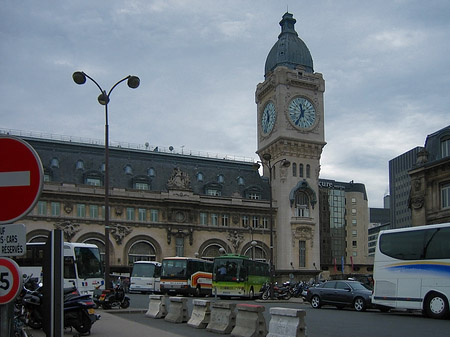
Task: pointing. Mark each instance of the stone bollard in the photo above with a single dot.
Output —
(178, 312)
(223, 317)
(250, 321)
(201, 314)
(156, 306)
(285, 322)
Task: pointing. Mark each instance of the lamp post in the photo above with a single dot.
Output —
(267, 163)
(133, 82)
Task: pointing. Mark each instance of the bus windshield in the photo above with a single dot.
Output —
(174, 268)
(144, 270)
(88, 262)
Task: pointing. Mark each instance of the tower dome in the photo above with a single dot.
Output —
(289, 50)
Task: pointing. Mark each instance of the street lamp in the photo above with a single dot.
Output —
(133, 82)
(267, 163)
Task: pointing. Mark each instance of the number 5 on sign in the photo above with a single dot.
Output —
(10, 280)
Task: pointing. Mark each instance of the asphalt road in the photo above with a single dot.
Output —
(325, 322)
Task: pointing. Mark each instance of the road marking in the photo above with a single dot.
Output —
(17, 178)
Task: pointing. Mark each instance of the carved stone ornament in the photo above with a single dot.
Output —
(179, 180)
(302, 233)
(68, 228)
(180, 233)
(119, 232)
(68, 207)
(417, 202)
(235, 238)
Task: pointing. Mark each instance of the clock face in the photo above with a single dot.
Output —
(268, 118)
(302, 113)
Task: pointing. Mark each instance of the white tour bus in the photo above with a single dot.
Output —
(145, 277)
(82, 265)
(412, 269)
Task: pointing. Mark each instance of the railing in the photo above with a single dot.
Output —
(124, 145)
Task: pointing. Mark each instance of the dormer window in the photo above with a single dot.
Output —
(54, 163)
(240, 181)
(79, 165)
(151, 172)
(128, 169)
(220, 179)
(200, 176)
(445, 147)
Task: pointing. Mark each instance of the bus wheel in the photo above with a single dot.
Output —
(436, 306)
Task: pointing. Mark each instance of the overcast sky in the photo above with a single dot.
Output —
(386, 66)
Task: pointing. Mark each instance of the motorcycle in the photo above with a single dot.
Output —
(78, 310)
(279, 293)
(113, 298)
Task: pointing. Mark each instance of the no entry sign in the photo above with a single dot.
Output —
(21, 178)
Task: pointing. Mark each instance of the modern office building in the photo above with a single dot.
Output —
(379, 219)
(429, 197)
(399, 187)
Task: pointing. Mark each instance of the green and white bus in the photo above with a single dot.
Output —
(239, 276)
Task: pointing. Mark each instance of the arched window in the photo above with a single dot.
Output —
(220, 179)
(256, 253)
(240, 181)
(54, 163)
(141, 251)
(79, 165)
(301, 170)
(294, 169)
(211, 251)
(128, 169)
(301, 204)
(200, 176)
(308, 171)
(151, 172)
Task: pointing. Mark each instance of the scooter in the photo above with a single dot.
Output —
(279, 293)
(78, 310)
(113, 298)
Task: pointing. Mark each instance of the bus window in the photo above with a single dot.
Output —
(69, 267)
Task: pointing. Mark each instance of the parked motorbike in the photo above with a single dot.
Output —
(78, 310)
(113, 298)
(279, 292)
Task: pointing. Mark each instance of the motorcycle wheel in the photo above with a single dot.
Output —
(125, 303)
(265, 295)
(106, 306)
(34, 324)
(85, 325)
(288, 295)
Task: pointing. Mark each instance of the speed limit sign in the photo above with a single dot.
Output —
(10, 280)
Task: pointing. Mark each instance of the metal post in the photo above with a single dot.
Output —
(106, 183)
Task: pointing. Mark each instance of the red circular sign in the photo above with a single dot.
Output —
(21, 178)
(10, 280)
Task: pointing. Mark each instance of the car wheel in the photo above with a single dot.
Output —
(315, 302)
(359, 304)
(436, 306)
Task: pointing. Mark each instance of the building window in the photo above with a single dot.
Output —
(179, 246)
(354, 233)
(56, 208)
(203, 218)
(81, 210)
(308, 171)
(93, 181)
(354, 243)
(255, 221)
(213, 192)
(353, 211)
(225, 220)
(353, 201)
(42, 208)
(141, 186)
(302, 254)
(130, 213)
(141, 251)
(245, 221)
(254, 196)
(445, 148)
(302, 205)
(355, 254)
(154, 215)
(294, 169)
(445, 196)
(265, 222)
(301, 170)
(240, 181)
(79, 165)
(199, 176)
(54, 163)
(220, 179)
(128, 169)
(47, 177)
(354, 223)
(142, 214)
(214, 219)
(93, 211)
(151, 172)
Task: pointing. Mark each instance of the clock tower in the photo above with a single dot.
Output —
(290, 112)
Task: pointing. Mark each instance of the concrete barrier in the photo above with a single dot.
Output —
(178, 312)
(250, 321)
(285, 322)
(201, 314)
(223, 318)
(156, 306)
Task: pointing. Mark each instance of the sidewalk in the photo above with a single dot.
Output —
(111, 325)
